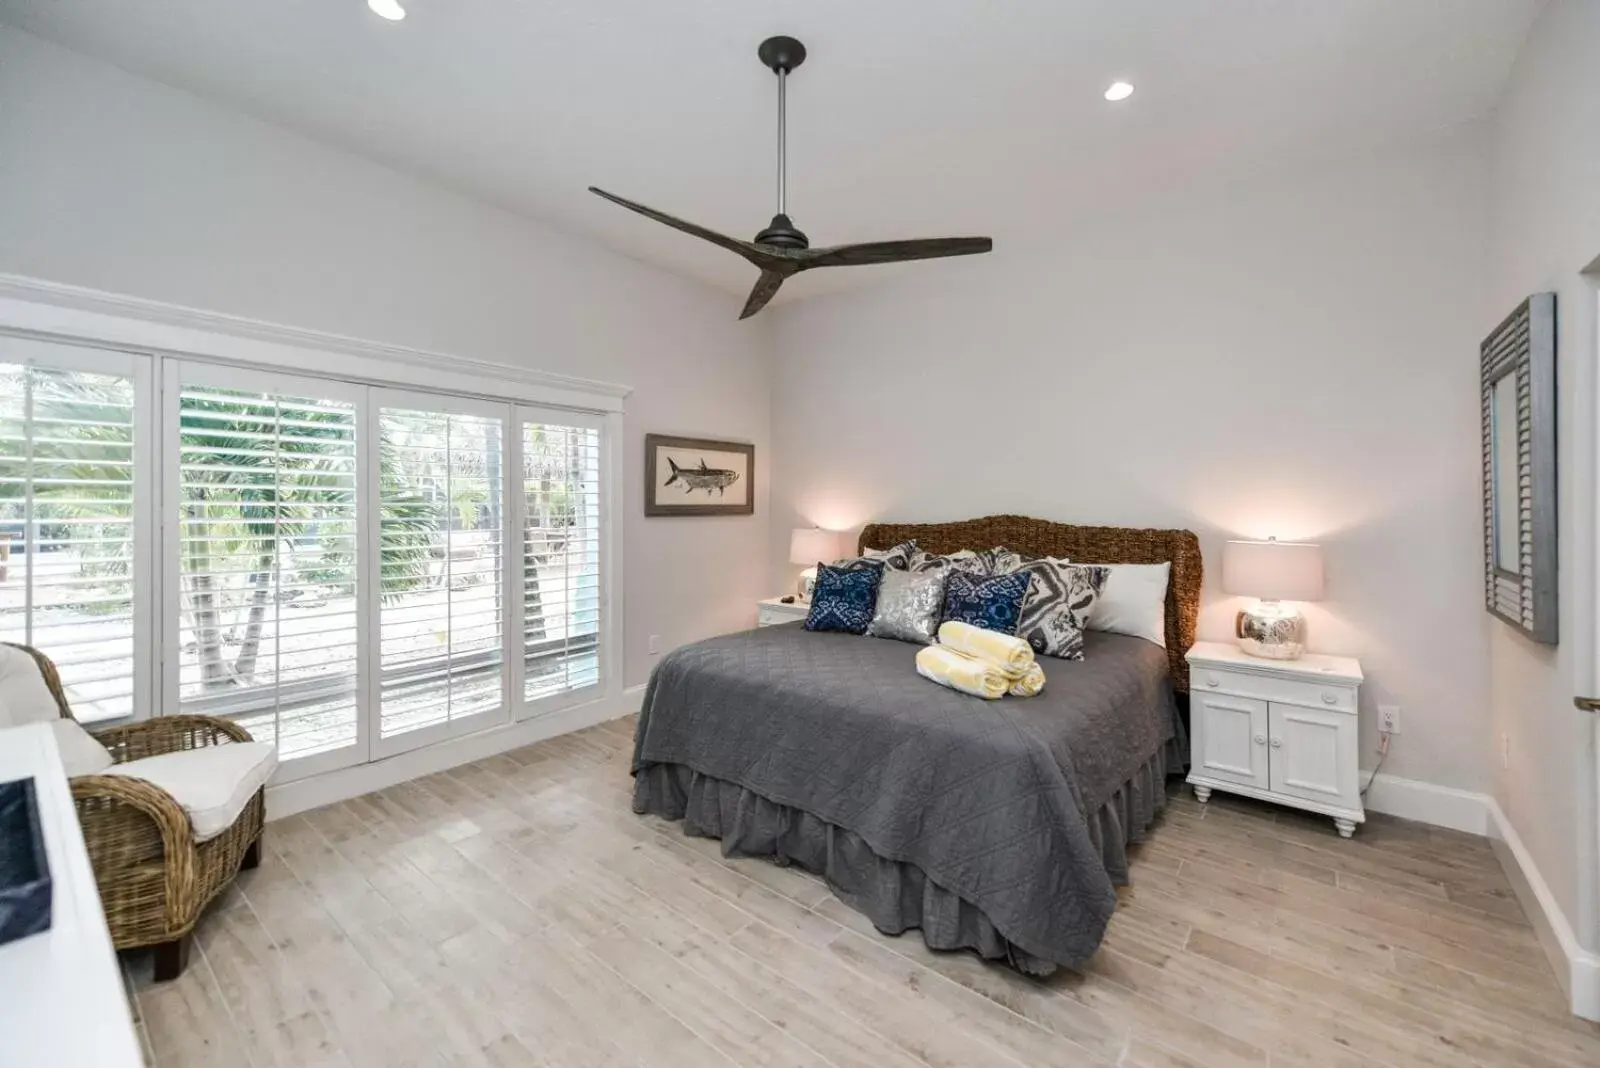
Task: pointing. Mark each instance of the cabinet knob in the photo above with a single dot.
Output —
(1277, 743)
(1212, 680)
(1261, 739)
(1329, 697)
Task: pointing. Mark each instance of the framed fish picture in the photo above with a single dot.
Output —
(694, 476)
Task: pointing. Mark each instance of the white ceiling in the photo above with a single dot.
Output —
(911, 118)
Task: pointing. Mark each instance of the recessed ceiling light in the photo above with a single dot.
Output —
(388, 9)
(1117, 91)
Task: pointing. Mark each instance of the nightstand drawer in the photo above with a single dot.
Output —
(768, 615)
(1333, 696)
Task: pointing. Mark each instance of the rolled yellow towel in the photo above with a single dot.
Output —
(1013, 655)
(1030, 684)
(969, 674)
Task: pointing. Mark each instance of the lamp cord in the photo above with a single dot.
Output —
(1383, 754)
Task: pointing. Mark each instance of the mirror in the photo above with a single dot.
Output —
(1504, 480)
(1517, 411)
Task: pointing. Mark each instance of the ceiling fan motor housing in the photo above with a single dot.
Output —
(782, 233)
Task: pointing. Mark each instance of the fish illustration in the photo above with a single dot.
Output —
(702, 477)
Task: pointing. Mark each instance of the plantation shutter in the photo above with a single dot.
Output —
(267, 628)
(68, 487)
(561, 554)
(441, 533)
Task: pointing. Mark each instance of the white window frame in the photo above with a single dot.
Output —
(69, 354)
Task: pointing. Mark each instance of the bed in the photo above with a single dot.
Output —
(999, 827)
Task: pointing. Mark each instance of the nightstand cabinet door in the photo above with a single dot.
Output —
(1314, 754)
(1230, 738)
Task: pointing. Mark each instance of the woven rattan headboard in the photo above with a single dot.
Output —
(1090, 545)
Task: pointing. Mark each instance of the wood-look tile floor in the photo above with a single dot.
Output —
(515, 912)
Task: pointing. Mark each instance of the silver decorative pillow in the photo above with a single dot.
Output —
(1057, 606)
(908, 606)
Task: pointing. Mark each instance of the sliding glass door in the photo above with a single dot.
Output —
(441, 538)
(346, 570)
(266, 599)
(561, 556)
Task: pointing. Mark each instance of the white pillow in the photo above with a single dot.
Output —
(1133, 602)
(24, 697)
(81, 754)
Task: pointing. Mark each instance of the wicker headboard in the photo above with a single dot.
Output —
(1090, 545)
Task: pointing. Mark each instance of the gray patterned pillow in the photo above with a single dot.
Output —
(965, 560)
(908, 606)
(1058, 603)
(895, 559)
(1002, 561)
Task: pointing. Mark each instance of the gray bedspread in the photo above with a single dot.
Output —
(988, 798)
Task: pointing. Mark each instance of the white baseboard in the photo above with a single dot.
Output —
(1463, 810)
(1576, 968)
(1425, 802)
(286, 799)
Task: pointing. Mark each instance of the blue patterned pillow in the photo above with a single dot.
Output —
(991, 603)
(844, 597)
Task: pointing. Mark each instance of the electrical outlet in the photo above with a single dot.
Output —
(655, 644)
(1505, 750)
(1389, 719)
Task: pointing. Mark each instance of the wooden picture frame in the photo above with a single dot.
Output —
(697, 476)
(1517, 380)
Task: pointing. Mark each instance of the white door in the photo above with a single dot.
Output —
(1314, 754)
(1231, 739)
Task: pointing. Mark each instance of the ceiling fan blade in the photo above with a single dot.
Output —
(732, 244)
(766, 288)
(925, 248)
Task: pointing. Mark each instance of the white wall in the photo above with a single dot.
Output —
(1296, 357)
(1545, 197)
(114, 182)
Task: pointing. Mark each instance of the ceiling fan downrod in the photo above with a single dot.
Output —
(782, 55)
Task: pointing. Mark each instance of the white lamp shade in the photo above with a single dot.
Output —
(1273, 570)
(811, 545)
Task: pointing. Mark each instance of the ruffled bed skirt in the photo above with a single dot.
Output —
(895, 895)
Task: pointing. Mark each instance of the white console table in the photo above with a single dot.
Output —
(64, 1001)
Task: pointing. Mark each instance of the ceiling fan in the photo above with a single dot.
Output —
(781, 250)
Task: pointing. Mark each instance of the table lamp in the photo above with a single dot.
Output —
(1276, 572)
(810, 546)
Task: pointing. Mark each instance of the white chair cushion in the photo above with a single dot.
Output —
(24, 698)
(212, 783)
(80, 753)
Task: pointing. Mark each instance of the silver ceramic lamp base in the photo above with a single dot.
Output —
(806, 584)
(1271, 630)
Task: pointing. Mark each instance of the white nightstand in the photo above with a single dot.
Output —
(772, 611)
(1278, 730)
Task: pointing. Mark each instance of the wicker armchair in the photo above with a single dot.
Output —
(154, 878)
